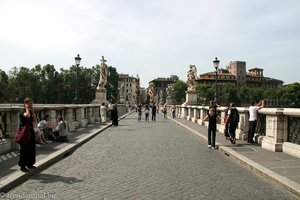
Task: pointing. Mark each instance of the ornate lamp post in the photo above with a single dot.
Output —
(216, 66)
(77, 62)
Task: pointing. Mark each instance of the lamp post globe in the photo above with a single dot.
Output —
(216, 66)
(77, 62)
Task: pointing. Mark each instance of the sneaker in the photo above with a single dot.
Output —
(208, 146)
(233, 141)
(213, 148)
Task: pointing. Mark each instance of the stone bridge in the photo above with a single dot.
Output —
(77, 116)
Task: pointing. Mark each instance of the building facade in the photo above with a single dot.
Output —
(159, 86)
(237, 74)
(129, 87)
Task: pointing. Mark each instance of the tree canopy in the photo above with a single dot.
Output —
(179, 88)
(46, 85)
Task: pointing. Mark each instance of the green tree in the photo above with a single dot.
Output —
(112, 90)
(231, 94)
(290, 93)
(4, 92)
(244, 96)
(179, 88)
(256, 94)
(205, 92)
(27, 83)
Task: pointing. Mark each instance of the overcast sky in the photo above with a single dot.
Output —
(153, 38)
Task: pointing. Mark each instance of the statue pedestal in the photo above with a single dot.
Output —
(169, 101)
(122, 99)
(161, 102)
(100, 96)
(191, 98)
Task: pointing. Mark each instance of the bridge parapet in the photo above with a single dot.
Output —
(77, 115)
(278, 129)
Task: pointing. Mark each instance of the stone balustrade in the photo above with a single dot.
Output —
(77, 115)
(277, 130)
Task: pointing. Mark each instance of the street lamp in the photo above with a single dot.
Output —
(216, 66)
(77, 62)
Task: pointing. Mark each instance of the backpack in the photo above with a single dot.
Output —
(234, 115)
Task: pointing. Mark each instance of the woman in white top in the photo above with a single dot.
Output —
(62, 128)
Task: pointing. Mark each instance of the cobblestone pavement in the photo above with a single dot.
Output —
(147, 160)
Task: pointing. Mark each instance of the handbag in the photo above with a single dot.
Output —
(23, 135)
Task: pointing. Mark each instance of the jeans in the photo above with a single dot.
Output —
(251, 130)
(212, 135)
(232, 129)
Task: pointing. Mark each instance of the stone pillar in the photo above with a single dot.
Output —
(191, 97)
(90, 115)
(100, 96)
(97, 113)
(178, 111)
(69, 119)
(196, 114)
(79, 116)
(12, 120)
(190, 113)
(122, 99)
(203, 113)
(83, 121)
(52, 114)
(242, 132)
(169, 101)
(275, 130)
(184, 112)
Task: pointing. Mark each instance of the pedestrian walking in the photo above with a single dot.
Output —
(253, 111)
(173, 111)
(147, 110)
(103, 110)
(212, 118)
(115, 115)
(165, 109)
(139, 111)
(153, 109)
(232, 121)
(27, 151)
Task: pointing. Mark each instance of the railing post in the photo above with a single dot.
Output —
(69, 118)
(242, 129)
(202, 115)
(97, 113)
(196, 114)
(184, 112)
(190, 113)
(275, 130)
(90, 115)
(178, 111)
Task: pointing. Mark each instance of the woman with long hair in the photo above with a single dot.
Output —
(27, 151)
(62, 128)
